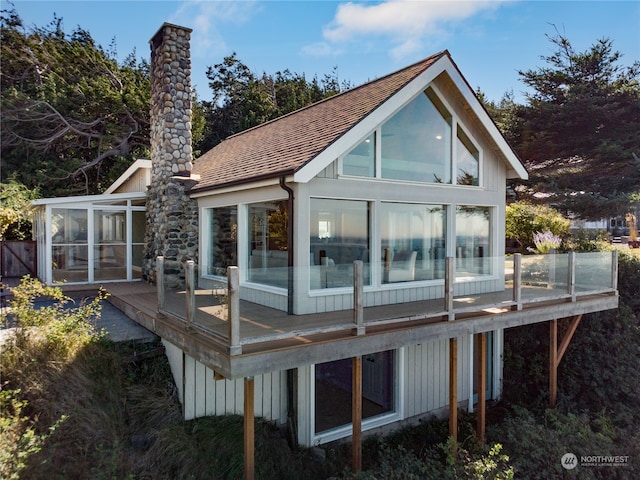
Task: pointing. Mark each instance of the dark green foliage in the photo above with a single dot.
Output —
(72, 117)
(578, 127)
(598, 411)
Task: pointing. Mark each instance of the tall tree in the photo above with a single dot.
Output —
(578, 135)
(72, 116)
(242, 99)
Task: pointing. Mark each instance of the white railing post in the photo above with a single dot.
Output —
(571, 279)
(358, 296)
(614, 269)
(517, 280)
(233, 289)
(449, 278)
(160, 282)
(190, 291)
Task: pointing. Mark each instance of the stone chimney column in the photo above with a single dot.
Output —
(172, 217)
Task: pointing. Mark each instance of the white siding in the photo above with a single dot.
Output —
(201, 394)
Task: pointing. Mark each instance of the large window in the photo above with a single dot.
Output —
(223, 248)
(473, 235)
(70, 248)
(416, 142)
(339, 236)
(413, 242)
(268, 243)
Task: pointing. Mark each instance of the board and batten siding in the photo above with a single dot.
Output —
(202, 395)
(423, 379)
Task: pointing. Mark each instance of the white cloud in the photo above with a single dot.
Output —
(205, 18)
(406, 23)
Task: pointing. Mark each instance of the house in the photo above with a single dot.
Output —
(359, 238)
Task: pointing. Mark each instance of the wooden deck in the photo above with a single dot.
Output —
(273, 340)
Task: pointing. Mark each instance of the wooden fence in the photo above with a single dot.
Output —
(18, 258)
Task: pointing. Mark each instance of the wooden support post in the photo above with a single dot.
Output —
(482, 385)
(233, 288)
(449, 278)
(356, 415)
(553, 362)
(358, 297)
(190, 291)
(249, 429)
(517, 281)
(160, 282)
(557, 352)
(453, 388)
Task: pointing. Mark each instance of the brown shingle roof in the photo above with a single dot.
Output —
(283, 146)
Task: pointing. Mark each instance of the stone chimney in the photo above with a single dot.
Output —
(172, 217)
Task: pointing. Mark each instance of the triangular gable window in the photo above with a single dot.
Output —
(416, 144)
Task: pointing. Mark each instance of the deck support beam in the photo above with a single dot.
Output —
(557, 352)
(482, 385)
(356, 415)
(249, 429)
(453, 388)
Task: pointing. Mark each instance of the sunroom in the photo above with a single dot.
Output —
(90, 239)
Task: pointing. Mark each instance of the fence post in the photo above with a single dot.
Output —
(449, 278)
(358, 296)
(571, 280)
(233, 282)
(160, 282)
(190, 292)
(517, 280)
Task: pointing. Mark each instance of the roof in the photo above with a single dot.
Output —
(284, 146)
(139, 164)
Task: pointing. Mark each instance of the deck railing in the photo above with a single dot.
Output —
(528, 279)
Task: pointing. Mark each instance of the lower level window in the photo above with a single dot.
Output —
(333, 388)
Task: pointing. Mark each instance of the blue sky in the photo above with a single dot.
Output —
(489, 40)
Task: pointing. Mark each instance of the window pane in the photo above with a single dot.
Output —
(416, 142)
(138, 227)
(467, 161)
(68, 225)
(110, 249)
(339, 236)
(473, 247)
(268, 243)
(333, 389)
(361, 160)
(223, 239)
(413, 242)
(70, 263)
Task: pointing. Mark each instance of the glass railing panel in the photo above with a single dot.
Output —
(544, 275)
(593, 271)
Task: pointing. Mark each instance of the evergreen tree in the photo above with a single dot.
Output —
(578, 135)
